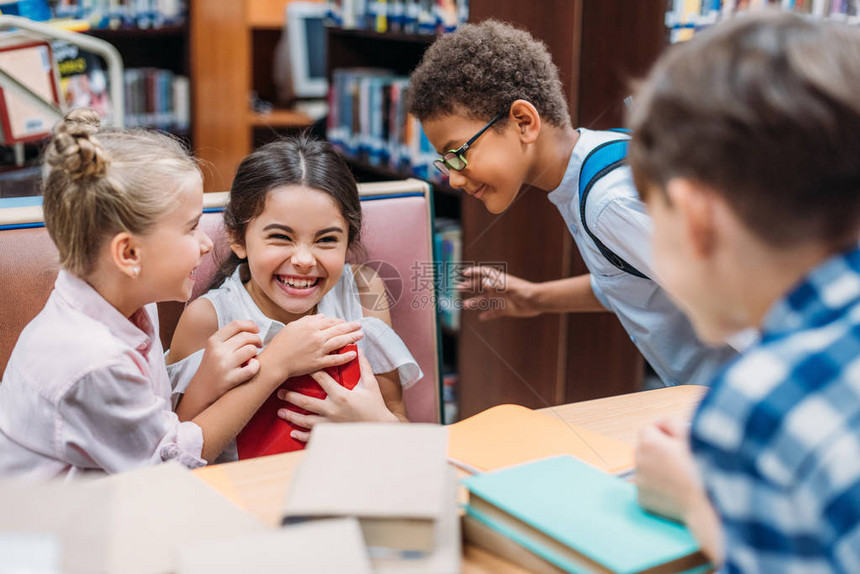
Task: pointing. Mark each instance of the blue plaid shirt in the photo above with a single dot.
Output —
(778, 437)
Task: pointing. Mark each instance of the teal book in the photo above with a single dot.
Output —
(580, 519)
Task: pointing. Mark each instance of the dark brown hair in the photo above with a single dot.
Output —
(300, 160)
(764, 110)
(97, 183)
(481, 69)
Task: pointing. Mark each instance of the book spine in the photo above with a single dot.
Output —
(182, 103)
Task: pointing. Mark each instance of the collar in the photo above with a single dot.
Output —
(136, 331)
(821, 297)
(568, 189)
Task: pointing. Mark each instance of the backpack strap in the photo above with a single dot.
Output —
(600, 161)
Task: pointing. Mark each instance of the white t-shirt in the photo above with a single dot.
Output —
(384, 349)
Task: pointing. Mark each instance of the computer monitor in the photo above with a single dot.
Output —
(306, 37)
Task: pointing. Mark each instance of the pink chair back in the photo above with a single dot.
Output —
(397, 234)
(28, 268)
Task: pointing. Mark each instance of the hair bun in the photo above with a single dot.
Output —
(75, 149)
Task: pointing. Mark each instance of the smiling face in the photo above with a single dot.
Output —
(496, 162)
(172, 249)
(296, 249)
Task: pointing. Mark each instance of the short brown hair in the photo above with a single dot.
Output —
(481, 69)
(764, 110)
(99, 183)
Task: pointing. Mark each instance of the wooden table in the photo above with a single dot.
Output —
(260, 485)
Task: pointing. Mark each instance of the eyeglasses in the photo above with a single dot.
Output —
(455, 158)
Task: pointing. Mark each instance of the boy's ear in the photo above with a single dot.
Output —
(125, 253)
(695, 205)
(526, 119)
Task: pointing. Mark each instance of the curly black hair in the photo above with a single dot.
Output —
(481, 69)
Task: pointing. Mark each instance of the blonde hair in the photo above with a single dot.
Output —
(97, 183)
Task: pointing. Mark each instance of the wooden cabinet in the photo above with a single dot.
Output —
(232, 54)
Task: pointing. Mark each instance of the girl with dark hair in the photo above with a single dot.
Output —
(292, 218)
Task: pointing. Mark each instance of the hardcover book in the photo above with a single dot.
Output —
(579, 519)
(393, 477)
(267, 433)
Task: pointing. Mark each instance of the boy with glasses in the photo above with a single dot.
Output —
(499, 119)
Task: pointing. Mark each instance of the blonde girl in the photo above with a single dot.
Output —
(86, 387)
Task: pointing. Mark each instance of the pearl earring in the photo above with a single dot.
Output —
(135, 272)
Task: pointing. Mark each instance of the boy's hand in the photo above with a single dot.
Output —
(666, 475)
(362, 404)
(229, 358)
(505, 295)
(305, 345)
(670, 485)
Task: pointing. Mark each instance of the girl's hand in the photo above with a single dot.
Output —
(305, 345)
(666, 475)
(229, 358)
(362, 404)
(516, 295)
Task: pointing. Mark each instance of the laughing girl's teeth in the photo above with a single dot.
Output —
(298, 283)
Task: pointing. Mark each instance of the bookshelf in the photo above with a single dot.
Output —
(550, 359)
(232, 50)
(685, 18)
(163, 53)
(163, 48)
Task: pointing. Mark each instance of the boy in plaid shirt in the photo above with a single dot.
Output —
(746, 149)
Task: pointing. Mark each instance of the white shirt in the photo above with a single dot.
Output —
(86, 389)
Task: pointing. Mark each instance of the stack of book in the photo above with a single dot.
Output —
(394, 480)
(563, 515)
(368, 121)
(407, 16)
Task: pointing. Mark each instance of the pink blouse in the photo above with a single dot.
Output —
(86, 389)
